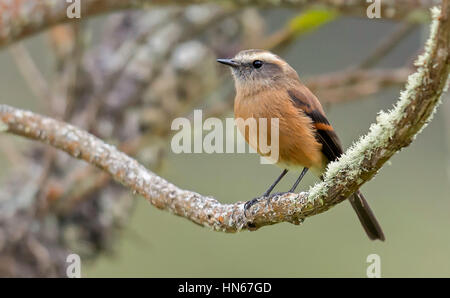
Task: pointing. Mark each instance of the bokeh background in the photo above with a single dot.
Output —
(410, 195)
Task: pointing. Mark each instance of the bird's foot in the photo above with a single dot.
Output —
(278, 194)
(252, 202)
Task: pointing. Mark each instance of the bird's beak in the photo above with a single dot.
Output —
(229, 62)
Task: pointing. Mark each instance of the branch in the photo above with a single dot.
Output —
(21, 18)
(334, 87)
(351, 84)
(393, 131)
(387, 45)
(30, 72)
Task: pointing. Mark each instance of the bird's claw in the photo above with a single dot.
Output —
(250, 203)
(278, 194)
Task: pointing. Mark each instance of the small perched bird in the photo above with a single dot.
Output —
(268, 87)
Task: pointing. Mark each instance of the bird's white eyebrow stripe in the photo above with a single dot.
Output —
(259, 55)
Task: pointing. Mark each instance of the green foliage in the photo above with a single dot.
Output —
(311, 20)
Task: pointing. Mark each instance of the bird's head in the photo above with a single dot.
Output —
(255, 69)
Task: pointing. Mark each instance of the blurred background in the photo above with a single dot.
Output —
(126, 76)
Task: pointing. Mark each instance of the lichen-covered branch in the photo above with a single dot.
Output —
(21, 18)
(393, 131)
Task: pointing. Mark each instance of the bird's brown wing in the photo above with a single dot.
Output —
(305, 101)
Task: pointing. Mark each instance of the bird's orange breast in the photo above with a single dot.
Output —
(298, 146)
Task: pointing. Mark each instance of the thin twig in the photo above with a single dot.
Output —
(68, 44)
(31, 73)
(351, 84)
(387, 45)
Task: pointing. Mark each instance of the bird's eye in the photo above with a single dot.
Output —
(257, 63)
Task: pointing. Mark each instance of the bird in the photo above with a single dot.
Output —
(267, 87)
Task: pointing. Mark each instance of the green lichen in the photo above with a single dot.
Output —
(380, 132)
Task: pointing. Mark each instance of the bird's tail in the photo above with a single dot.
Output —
(366, 217)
